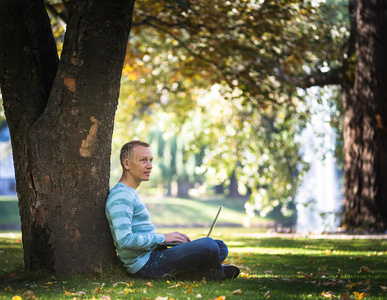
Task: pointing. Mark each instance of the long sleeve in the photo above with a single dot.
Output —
(133, 233)
(131, 223)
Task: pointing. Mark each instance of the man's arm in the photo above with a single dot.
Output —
(120, 216)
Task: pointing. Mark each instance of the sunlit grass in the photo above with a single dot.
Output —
(280, 267)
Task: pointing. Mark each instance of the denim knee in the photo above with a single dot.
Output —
(223, 250)
(211, 246)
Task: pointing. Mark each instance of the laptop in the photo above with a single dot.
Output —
(171, 244)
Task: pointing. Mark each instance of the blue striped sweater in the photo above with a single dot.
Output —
(133, 232)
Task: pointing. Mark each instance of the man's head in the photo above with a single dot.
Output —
(136, 161)
(127, 150)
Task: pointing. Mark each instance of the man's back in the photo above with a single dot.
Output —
(133, 233)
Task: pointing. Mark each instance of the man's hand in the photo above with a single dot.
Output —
(176, 237)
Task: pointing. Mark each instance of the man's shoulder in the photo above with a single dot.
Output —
(120, 191)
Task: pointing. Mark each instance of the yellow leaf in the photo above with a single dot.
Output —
(127, 291)
(98, 289)
(359, 296)
(221, 298)
(69, 294)
(190, 291)
(328, 252)
(16, 297)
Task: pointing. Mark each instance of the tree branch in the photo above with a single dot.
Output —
(332, 77)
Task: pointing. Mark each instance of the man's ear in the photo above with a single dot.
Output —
(125, 163)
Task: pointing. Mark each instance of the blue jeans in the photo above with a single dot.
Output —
(198, 255)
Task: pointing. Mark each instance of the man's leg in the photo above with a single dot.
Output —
(223, 250)
(196, 256)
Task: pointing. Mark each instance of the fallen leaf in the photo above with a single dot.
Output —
(238, 292)
(29, 295)
(199, 296)
(267, 294)
(16, 297)
(359, 296)
(329, 295)
(221, 298)
(107, 298)
(149, 284)
(161, 298)
(8, 289)
(80, 293)
(328, 252)
(384, 288)
(190, 291)
(98, 289)
(121, 282)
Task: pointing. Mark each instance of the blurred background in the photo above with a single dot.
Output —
(214, 91)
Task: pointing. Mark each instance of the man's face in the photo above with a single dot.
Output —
(140, 165)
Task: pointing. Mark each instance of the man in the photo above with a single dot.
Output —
(138, 243)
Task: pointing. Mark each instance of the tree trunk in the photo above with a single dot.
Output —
(62, 149)
(365, 121)
(233, 186)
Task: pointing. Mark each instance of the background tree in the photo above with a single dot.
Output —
(362, 77)
(61, 119)
(253, 52)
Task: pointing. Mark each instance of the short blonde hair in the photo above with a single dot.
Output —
(127, 150)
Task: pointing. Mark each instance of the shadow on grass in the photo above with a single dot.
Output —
(281, 268)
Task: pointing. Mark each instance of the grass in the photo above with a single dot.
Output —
(172, 211)
(9, 210)
(274, 267)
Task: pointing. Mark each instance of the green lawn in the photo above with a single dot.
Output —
(282, 267)
(171, 211)
(9, 210)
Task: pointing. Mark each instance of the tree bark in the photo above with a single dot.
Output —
(62, 142)
(365, 121)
